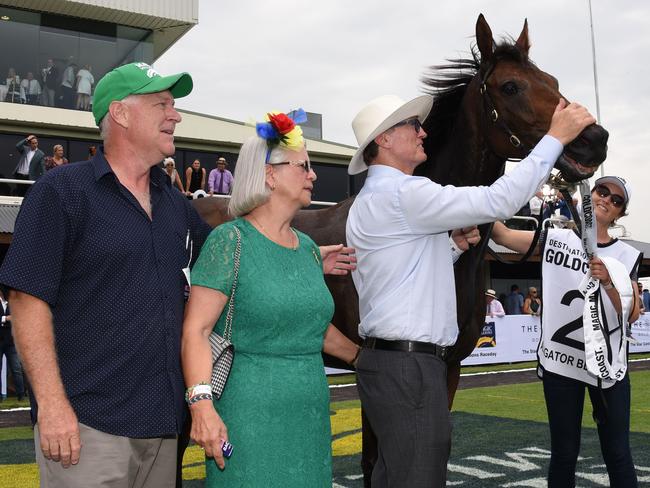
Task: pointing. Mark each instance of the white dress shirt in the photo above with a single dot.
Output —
(398, 225)
(494, 309)
(31, 87)
(25, 161)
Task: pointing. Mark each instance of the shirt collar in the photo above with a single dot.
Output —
(383, 170)
(101, 168)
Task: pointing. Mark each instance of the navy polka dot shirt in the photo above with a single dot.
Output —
(112, 278)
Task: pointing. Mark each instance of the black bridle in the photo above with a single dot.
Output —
(492, 114)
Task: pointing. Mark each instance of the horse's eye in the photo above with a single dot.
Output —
(509, 88)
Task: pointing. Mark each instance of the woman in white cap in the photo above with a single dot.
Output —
(572, 353)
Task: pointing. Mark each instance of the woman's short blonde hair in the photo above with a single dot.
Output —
(249, 189)
(168, 161)
(56, 146)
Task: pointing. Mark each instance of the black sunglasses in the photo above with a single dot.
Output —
(603, 192)
(304, 164)
(415, 123)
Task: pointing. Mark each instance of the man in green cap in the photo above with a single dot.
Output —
(97, 318)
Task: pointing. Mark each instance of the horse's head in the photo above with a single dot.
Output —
(518, 102)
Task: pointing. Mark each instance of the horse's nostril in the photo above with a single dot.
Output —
(592, 135)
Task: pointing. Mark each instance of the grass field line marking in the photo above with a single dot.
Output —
(474, 472)
(488, 372)
(17, 409)
(464, 374)
(518, 399)
(498, 372)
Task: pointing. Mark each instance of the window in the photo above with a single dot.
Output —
(72, 44)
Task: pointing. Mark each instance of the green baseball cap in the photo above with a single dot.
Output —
(136, 79)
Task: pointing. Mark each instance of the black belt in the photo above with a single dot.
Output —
(406, 346)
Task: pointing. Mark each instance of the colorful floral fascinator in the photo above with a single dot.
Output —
(282, 129)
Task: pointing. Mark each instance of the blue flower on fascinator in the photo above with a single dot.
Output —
(266, 131)
(282, 129)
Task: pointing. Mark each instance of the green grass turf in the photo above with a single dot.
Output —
(342, 379)
(526, 402)
(516, 414)
(12, 402)
(13, 433)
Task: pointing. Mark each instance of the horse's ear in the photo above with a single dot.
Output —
(523, 43)
(484, 39)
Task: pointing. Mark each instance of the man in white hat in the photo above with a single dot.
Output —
(399, 226)
(493, 307)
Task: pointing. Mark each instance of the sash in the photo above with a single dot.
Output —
(596, 337)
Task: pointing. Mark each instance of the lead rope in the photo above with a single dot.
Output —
(597, 348)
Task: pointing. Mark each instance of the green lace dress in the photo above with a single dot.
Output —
(276, 401)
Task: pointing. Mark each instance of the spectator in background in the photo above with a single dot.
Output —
(493, 306)
(532, 303)
(13, 87)
(85, 82)
(642, 308)
(559, 204)
(220, 179)
(170, 169)
(514, 301)
(57, 158)
(67, 85)
(536, 204)
(194, 178)
(646, 299)
(31, 164)
(49, 76)
(7, 348)
(31, 88)
(92, 150)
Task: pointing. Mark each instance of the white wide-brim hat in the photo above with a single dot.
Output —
(378, 116)
(490, 293)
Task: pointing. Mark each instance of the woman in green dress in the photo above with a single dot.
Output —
(275, 407)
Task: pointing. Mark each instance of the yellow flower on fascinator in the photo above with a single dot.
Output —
(294, 139)
(282, 129)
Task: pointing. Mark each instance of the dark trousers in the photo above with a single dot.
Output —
(33, 99)
(404, 396)
(20, 190)
(67, 97)
(13, 365)
(611, 411)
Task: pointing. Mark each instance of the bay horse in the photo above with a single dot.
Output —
(487, 109)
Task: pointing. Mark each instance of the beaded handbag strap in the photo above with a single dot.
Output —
(227, 331)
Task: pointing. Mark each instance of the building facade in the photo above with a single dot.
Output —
(50, 44)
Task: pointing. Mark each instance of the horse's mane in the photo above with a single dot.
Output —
(448, 83)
